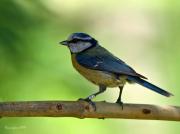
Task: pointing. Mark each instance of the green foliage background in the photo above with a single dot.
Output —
(34, 67)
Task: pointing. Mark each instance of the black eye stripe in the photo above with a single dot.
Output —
(74, 40)
(93, 41)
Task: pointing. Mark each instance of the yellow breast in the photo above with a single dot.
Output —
(98, 77)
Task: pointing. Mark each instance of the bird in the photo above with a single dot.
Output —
(102, 68)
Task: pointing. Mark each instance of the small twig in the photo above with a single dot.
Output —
(81, 109)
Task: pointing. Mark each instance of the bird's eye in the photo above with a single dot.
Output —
(74, 41)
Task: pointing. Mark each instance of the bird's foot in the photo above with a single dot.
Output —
(88, 100)
(120, 103)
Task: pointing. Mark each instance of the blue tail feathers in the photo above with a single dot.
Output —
(149, 86)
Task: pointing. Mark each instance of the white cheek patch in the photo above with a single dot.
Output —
(73, 48)
(79, 46)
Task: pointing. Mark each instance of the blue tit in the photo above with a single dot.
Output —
(102, 68)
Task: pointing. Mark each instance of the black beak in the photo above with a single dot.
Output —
(65, 42)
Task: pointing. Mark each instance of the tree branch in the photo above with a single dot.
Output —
(81, 109)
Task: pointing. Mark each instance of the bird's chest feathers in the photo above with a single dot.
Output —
(96, 76)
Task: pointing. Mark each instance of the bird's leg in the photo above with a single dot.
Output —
(90, 97)
(101, 90)
(119, 98)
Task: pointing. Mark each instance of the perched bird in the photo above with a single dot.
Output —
(102, 68)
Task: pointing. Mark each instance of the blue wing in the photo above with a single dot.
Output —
(99, 58)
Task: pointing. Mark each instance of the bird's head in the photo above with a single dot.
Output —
(78, 42)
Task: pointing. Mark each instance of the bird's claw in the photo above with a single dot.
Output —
(120, 103)
(89, 101)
